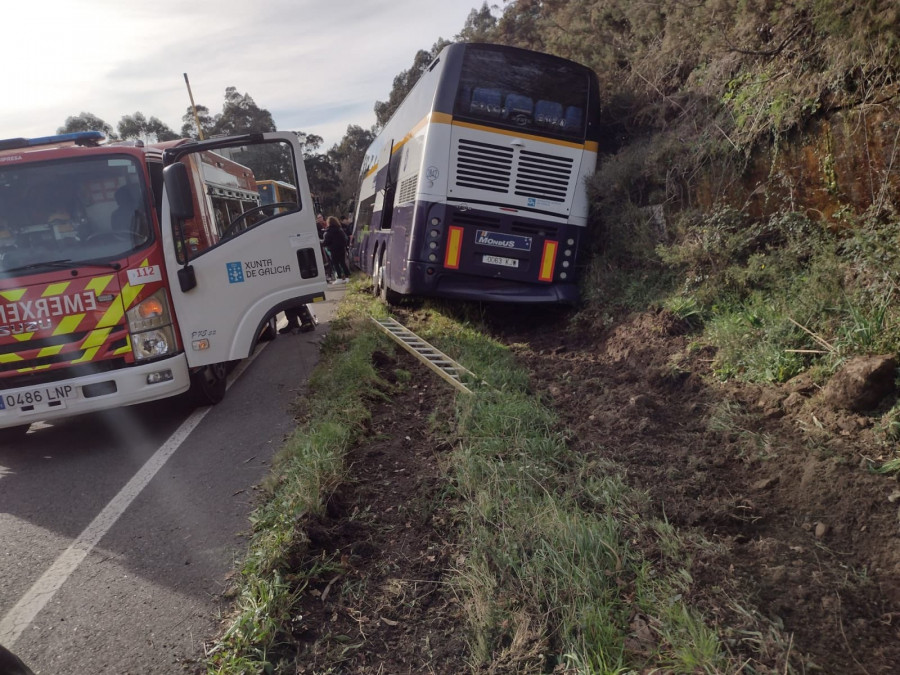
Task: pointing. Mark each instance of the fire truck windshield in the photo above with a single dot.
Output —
(90, 211)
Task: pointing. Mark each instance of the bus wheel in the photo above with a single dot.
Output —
(391, 297)
(377, 278)
(381, 288)
(208, 384)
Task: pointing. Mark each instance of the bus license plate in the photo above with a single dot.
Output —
(499, 260)
(42, 398)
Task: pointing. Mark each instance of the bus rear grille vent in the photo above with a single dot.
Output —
(407, 191)
(533, 230)
(483, 166)
(543, 176)
(473, 220)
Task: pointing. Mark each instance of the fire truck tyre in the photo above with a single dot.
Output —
(270, 332)
(208, 384)
(12, 434)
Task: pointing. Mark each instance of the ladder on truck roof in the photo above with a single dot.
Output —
(432, 357)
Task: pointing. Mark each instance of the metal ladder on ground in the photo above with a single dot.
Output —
(432, 357)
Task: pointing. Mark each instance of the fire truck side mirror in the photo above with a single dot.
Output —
(178, 189)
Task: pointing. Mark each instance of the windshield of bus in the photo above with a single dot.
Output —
(524, 91)
(69, 212)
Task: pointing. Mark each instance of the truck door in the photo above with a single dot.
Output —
(231, 261)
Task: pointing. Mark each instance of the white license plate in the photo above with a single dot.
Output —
(50, 397)
(499, 260)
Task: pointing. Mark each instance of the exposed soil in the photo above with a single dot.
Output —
(387, 608)
(804, 538)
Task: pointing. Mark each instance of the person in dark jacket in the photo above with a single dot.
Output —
(335, 241)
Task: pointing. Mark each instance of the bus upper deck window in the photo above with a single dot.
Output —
(518, 109)
(548, 113)
(574, 118)
(486, 102)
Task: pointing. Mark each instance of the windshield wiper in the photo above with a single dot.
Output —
(64, 263)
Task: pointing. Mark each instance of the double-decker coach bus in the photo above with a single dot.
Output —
(276, 192)
(475, 188)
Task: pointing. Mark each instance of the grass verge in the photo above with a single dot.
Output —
(305, 472)
(565, 568)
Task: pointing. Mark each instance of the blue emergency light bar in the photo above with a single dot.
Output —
(78, 138)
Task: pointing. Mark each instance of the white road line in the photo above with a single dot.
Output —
(20, 617)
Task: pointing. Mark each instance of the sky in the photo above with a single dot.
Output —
(316, 65)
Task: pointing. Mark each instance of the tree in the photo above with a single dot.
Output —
(241, 115)
(405, 81)
(86, 121)
(347, 157)
(139, 127)
(189, 126)
(480, 26)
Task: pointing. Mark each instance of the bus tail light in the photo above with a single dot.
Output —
(454, 247)
(548, 260)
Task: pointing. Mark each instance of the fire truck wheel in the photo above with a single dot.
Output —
(270, 331)
(208, 384)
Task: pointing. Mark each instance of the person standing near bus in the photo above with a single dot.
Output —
(335, 241)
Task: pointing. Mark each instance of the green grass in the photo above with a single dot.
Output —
(305, 472)
(562, 565)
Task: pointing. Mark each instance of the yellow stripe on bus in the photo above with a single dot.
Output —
(9, 358)
(519, 134)
(447, 118)
(548, 260)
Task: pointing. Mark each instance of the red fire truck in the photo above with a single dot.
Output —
(132, 272)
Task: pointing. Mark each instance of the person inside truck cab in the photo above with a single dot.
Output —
(128, 218)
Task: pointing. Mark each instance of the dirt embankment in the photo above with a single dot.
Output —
(804, 533)
(803, 538)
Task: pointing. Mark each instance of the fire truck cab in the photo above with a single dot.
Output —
(132, 272)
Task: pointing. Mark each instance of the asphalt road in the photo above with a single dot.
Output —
(118, 531)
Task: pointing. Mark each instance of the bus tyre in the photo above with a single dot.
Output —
(208, 384)
(381, 289)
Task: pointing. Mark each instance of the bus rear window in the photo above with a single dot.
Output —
(524, 91)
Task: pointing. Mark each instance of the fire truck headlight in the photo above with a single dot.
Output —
(152, 312)
(152, 343)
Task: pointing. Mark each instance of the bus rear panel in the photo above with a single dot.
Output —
(482, 196)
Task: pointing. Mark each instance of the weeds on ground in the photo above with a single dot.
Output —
(558, 571)
(305, 472)
(774, 296)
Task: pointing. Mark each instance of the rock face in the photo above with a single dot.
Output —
(861, 384)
